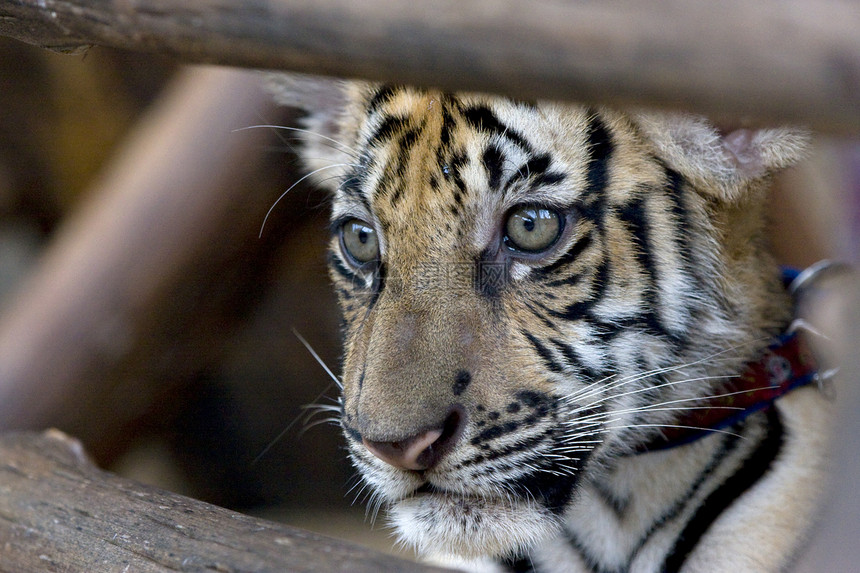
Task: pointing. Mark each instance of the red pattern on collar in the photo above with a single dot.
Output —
(784, 366)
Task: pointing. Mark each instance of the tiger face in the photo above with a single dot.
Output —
(530, 292)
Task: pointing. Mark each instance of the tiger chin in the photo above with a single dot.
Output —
(563, 333)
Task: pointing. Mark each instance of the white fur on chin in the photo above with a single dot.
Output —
(438, 525)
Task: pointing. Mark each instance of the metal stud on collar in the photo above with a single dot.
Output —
(802, 282)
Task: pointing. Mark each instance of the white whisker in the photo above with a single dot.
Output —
(309, 425)
(600, 386)
(291, 187)
(342, 146)
(643, 389)
(322, 408)
(660, 405)
(679, 426)
(313, 405)
(319, 360)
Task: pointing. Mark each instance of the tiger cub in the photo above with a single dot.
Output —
(542, 303)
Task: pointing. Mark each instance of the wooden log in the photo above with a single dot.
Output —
(58, 512)
(773, 60)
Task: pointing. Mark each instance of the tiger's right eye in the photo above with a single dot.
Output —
(532, 228)
(359, 241)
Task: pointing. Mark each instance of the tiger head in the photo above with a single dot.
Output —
(530, 290)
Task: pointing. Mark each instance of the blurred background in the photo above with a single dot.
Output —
(205, 394)
(179, 366)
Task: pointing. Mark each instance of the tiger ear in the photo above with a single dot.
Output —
(325, 134)
(722, 165)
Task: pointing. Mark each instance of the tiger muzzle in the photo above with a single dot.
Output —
(423, 450)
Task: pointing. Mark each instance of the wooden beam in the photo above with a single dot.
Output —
(58, 512)
(770, 60)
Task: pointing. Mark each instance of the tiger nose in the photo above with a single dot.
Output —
(422, 451)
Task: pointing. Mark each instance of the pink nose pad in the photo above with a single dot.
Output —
(412, 454)
(424, 450)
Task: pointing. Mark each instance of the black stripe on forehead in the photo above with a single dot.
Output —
(494, 162)
(447, 122)
(600, 148)
(380, 97)
(445, 131)
(352, 187)
(388, 128)
(481, 118)
(537, 171)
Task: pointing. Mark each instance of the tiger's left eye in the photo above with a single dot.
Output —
(532, 229)
(359, 241)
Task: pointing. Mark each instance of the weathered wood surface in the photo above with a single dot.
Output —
(60, 513)
(773, 60)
